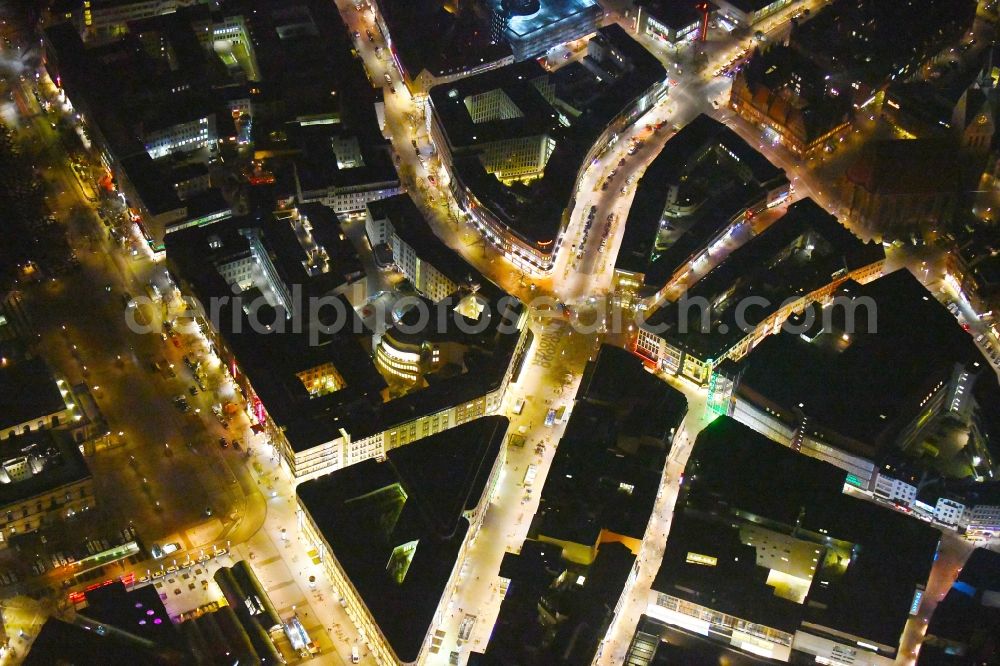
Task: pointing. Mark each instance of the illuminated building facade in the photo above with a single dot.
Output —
(749, 12)
(787, 96)
(523, 123)
(768, 556)
(389, 538)
(810, 388)
(672, 225)
(808, 255)
(532, 27)
(43, 480)
(669, 21)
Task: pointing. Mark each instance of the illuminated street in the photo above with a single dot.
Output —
(194, 470)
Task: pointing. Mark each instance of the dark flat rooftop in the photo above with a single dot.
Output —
(534, 212)
(868, 389)
(680, 154)
(540, 579)
(60, 642)
(61, 459)
(412, 227)
(861, 39)
(370, 510)
(733, 468)
(28, 391)
(797, 254)
(461, 39)
(675, 14)
(619, 432)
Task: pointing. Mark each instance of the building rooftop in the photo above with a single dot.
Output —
(28, 391)
(860, 40)
(38, 462)
(138, 611)
(462, 38)
(872, 559)
(840, 392)
(900, 167)
(612, 78)
(272, 360)
(692, 148)
(549, 15)
(607, 467)
(675, 15)
(804, 250)
(396, 527)
(60, 642)
(580, 598)
(412, 227)
(792, 91)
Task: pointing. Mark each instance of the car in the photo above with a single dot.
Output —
(208, 511)
(355, 655)
(371, 37)
(621, 162)
(357, 35)
(176, 340)
(519, 406)
(392, 89)
(550, 418)
(388, 79)
(193, 390)
(223, 443)
(170, 372)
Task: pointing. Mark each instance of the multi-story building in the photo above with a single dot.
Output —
(106, 20)
(433, 269)
(858, 44)
(671, 22)
(522, 123)
(393, 535)
(890, 195)
(673, 223)
(767, 555)
(973, 269)
(181, 137)
(314, 390)
(595, 511)
(191, 81)
(895, 490)
(798, 260)
(747, 13)
(32, 398)
(464, 44)
(949, 511)
(812, 388)
(43, 480)
(787, 96)
(983, 513)
(532, 27)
